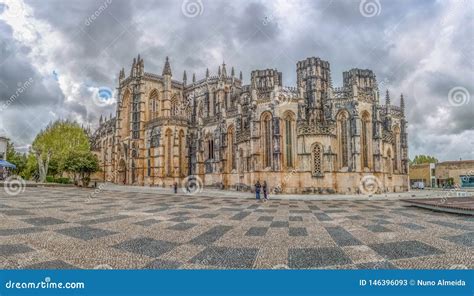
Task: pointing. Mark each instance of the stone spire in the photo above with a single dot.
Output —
(219, 71)
(100, 120)
(167, 68)
(224, 71)
(132, 70)
(194, 77)
(122, 74)
(232, 72)
(185, 77)
(402, 104)
(387, 99)
(207, 72)
(140, 66)
(240, 76)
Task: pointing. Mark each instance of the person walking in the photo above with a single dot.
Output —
(175, 187)
(265, 191)
(257, 190)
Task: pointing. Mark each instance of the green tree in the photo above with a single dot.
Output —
(16, 158)
(81, 164)
(419, 159)
(31, 170)
(54, 144)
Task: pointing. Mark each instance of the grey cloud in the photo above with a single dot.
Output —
(252, 35)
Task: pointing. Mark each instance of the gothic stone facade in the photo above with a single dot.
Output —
(312, 138)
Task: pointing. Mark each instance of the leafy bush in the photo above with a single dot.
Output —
(61, 180)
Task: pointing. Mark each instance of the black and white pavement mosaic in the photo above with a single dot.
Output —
(60, 228)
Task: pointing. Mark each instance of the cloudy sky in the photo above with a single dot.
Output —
(56, 55)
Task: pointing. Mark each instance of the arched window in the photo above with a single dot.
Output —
(266, 137)
(154, 107)
(316, 151)
(396, 150)
(364, 140)
(241, 161)
(343, 125)
(168, 152)
(174, 105)
(289, 125)
(210, 149)
(182, 152)
(231, 163)
(125, 114)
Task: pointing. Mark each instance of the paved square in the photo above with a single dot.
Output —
(227, 257)
(59, 228)
(317, 257)
(146, 246)
(85, 232)
(8, 250)
(406, 249)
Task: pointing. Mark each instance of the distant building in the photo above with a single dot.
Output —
(424, 172)
(455, 172)
(443, 174)
(3, 148)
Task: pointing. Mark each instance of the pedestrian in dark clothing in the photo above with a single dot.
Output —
(175, 187)
(265, 191)
(257, 190)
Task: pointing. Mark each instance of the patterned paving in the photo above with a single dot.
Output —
(64, 228)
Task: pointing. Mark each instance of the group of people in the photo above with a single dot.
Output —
(261, 187)
(258, 188)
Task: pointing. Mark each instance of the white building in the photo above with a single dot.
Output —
(3, 148)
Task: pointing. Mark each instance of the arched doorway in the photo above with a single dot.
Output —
(122, 176)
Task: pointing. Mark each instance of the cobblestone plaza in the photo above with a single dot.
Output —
(50, 228)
